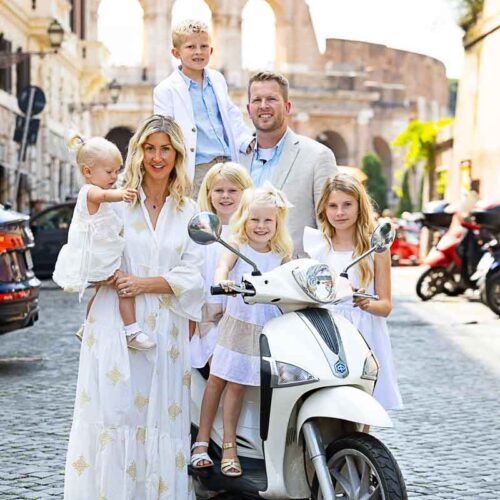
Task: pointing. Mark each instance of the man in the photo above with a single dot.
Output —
(293, 163)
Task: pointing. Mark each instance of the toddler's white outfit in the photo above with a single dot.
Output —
(94, 249)
(236, 356)
(373, 328)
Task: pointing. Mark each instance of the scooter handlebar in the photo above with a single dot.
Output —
(218, 290)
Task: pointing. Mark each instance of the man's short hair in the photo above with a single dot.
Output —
(186, 28)
(268, 76)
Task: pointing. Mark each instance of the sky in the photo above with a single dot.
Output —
(423, 26)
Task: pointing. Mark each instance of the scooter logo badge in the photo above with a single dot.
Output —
(340, 368)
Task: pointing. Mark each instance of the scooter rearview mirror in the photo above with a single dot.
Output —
(204, 228)
(382, 237)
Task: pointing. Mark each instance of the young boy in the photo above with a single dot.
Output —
(197, 98)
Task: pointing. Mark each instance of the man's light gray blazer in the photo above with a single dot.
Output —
(301, 171)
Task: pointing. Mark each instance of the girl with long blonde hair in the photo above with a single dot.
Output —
(346, 219)
(258, 230)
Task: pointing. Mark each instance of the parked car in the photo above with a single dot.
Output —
(19, 288)
(50, 229)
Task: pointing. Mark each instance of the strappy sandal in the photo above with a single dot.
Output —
(230, 467)
(197, 458)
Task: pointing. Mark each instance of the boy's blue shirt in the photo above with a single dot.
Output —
(211, 138)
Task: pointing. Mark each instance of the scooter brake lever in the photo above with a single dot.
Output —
(359, 295)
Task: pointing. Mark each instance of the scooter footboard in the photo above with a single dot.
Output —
(343, 403)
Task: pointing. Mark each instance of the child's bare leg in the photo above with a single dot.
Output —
(209, 405)
(91, 300)
(233, 401)
(127, 309)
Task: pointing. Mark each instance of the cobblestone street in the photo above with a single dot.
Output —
(447, 352)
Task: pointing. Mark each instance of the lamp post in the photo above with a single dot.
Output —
(55, 33)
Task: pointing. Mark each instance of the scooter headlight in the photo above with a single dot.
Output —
(370, 368)
(317, 281)
(286, 374)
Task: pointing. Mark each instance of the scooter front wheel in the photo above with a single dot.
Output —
(362, 467)
(492, 292)
(431, 282)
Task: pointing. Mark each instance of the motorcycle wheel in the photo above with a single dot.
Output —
(431, 282)
(362, 467)
(493, 292)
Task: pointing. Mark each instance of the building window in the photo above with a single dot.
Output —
(23, 73)
(77, 18)
(6, 73)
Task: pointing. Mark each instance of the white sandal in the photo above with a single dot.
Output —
(196, 458)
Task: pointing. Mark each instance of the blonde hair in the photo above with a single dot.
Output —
(88, 152)
(179, 184)
(365, 222)
(266, 196)
(186, 28)
(231, 172)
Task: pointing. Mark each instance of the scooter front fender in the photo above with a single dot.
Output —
(343, 403)
(436, 258)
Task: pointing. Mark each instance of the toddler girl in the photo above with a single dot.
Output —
(346, 223)
(220, 193)
(258, 230)
(95, 243)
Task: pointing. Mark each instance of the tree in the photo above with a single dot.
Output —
(405, 204)
(469, 12)
(376, 184)
(419, 140)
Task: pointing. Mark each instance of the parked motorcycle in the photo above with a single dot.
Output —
(453, 260)
(488, 269)
(299, 432)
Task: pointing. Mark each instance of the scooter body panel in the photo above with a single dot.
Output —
(343, 403)
(437, 258)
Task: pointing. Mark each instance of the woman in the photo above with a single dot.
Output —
(130, 434)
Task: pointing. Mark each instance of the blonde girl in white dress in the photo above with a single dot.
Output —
(220, 193)
(130, 435)
(346, 223)
(95, 242)
(258, 229)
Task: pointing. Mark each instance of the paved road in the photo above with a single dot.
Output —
(446, 439)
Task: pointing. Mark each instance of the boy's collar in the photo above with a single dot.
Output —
(190, 81)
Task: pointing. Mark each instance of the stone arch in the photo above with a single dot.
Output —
(121, 137)
(383, 151)
(337, 144)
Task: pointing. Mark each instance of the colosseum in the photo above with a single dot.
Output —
(354, 97)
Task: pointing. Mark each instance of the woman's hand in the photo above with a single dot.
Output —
(362, 302)
(128, 285)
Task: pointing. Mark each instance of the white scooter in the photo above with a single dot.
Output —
(299, 432)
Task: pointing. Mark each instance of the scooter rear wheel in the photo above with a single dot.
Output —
(493, 292)
(431, 282)
(362, 467)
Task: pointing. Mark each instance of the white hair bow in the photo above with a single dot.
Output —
(280, 198)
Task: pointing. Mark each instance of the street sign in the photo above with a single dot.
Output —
(38, 99)
(33, 127)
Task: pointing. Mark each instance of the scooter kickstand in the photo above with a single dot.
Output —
(317, 455)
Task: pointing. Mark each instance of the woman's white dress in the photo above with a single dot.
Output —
(236, 356)
(130, 437)
(94, 249)
(205, 337)
(373, 328)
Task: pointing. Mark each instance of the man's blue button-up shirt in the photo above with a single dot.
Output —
(211, 138)
(262, 170)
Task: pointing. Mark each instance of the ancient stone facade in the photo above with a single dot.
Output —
(355, 97)
(71, 76)
(476, 152)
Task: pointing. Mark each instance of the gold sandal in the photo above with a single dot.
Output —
(230, 467)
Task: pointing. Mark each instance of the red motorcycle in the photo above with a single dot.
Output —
(453, 260)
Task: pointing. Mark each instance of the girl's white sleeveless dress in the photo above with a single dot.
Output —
(373, 328)
(236, 356)
(203, 342)
(94, 249)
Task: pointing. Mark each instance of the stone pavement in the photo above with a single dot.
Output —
(446, 439)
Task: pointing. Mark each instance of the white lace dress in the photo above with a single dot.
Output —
(94, 249)
(373, 328)
(205, 336)
(236, 356)
(130, 437)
